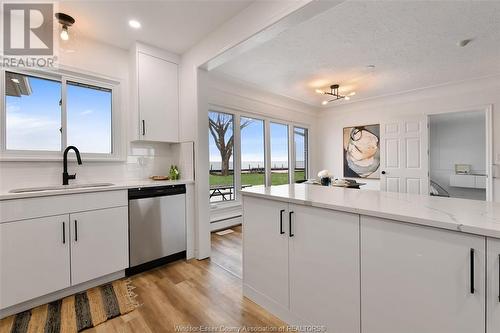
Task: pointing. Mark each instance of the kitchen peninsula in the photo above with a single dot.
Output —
(370, 261)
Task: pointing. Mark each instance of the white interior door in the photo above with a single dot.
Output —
(404, 156)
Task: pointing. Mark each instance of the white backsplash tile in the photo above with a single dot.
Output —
(144, 160)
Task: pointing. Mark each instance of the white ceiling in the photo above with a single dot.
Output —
(411, 43)
(172, 25)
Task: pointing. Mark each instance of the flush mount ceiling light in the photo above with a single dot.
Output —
(334, 91)
(66, 21)
(134, 24)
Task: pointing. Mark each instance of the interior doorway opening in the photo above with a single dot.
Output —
(459, 155)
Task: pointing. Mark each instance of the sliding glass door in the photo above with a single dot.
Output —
(300, 142)
(221, 151)
(252, 152)
(279, 153)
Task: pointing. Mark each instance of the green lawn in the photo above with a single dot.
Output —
(254, 178)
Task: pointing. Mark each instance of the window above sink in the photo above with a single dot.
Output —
(43, 112)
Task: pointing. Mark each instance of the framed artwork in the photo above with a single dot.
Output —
(362, 152)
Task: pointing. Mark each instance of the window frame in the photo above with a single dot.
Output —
(237, 114)
(117, 147)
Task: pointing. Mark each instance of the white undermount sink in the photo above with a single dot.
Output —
(58, 187)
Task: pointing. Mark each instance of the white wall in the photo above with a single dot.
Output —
(457, 138)
(142, 159)
(465, 96)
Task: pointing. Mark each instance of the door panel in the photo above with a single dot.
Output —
(493, 287)
(99, 243)
(417, 279)
(158, 98)
(265, 249)
(404, 156)
(34, 258)
(324, 268)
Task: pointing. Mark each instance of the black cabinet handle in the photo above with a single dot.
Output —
(76, 231)
(64, 232)
(472, 289)
(281, 222)
(499, 277)
(290, 232)
(143, 127)
(383, 172)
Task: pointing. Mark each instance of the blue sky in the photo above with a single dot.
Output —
(33, 121)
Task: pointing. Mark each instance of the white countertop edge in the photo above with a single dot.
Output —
(117, 186)
(481, 231)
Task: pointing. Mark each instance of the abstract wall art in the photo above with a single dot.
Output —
(362, 152)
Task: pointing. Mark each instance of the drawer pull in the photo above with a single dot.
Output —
(64, 232)
(291, 234)
(76, 231)
(281, 222)
(472, 289)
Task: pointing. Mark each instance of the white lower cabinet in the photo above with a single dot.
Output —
(493, 286)
(49, 244)
(417, 279)
(265, 248)
(324, 268)
(34, 258)
(99, 243)
(302, 263)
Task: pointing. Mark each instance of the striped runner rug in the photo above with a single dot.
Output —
(75, 313)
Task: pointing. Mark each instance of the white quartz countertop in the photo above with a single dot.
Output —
(6, 195)
(470, 216)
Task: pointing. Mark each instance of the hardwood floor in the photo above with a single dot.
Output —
(227, 251)
(191, 294)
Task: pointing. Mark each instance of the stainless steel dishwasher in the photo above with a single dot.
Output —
(157, 226)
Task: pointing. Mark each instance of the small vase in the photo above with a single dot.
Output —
(326, 181)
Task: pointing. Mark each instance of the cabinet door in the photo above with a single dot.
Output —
(416, 279)
(158, 87)
(34, 258)
(99, 243)
(493, 287)
(324, 268)
(265, 250)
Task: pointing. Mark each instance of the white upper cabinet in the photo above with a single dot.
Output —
(417, 279)
(493, 287)
(155, 94)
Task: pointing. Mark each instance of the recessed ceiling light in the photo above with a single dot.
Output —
(134, 24)
(324, 102)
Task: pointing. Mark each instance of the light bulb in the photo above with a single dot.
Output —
(64, 33)
(319, 91)
(352, 93)
(134, 24)
(324, 102)
(347, 98)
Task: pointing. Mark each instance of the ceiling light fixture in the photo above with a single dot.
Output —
(15, 80)
(334, 91)
(134, 24)
(66, 21)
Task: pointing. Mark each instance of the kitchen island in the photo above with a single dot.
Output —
(368, 261)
